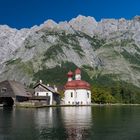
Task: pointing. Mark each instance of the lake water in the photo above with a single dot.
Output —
(71, 123)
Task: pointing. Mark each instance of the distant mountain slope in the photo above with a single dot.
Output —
(109, 48)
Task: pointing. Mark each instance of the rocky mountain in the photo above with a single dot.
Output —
(109, 48)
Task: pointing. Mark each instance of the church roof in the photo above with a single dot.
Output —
(77, 84)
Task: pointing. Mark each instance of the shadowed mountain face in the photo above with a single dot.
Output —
(108, 50)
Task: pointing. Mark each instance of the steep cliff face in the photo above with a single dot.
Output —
(110, 47)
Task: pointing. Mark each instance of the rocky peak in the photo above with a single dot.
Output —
(137, 18)
(49, 24)
(84, 24)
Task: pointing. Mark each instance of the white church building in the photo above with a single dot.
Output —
(77, 92)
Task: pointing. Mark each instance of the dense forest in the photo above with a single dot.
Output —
(104, 89)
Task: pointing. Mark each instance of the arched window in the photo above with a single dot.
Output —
(87, 94)
(71, 94)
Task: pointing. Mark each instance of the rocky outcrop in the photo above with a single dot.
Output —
(108, 47)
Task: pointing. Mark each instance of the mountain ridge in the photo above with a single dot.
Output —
(107, 47)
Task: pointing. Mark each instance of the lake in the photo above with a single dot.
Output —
(71, 123)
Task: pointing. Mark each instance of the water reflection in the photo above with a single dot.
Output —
(49, 124)
(6, 127)
(66, 123)
(44, 117)
(71, 123)
(77, 121)
(17, 124)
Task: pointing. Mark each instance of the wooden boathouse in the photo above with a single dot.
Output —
(12, 92)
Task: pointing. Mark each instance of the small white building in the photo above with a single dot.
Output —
(46, 94)
(77, 92)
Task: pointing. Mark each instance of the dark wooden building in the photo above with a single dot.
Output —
(12, 92)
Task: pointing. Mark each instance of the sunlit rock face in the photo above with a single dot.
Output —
(106, 47)
(87, 25)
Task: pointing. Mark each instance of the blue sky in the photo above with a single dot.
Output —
(26, 13)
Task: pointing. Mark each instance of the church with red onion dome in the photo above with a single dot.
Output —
(77, 92)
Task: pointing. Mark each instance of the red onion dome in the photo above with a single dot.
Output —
(80, 84)
(83, 85)
(70, 74)
(70, 85)
(88, 85)
(77, 71)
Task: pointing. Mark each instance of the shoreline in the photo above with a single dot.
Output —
(45, 106)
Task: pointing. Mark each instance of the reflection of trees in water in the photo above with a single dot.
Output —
(6, 116)
(50, 124)
(17, 124)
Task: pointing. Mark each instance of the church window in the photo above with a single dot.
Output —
(71, 94)
(87, 94)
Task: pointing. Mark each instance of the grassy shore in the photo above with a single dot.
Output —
(43, 106)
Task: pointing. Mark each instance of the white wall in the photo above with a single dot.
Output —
(89, 99)
(80, 97)
(68, 99)
(50, 94)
